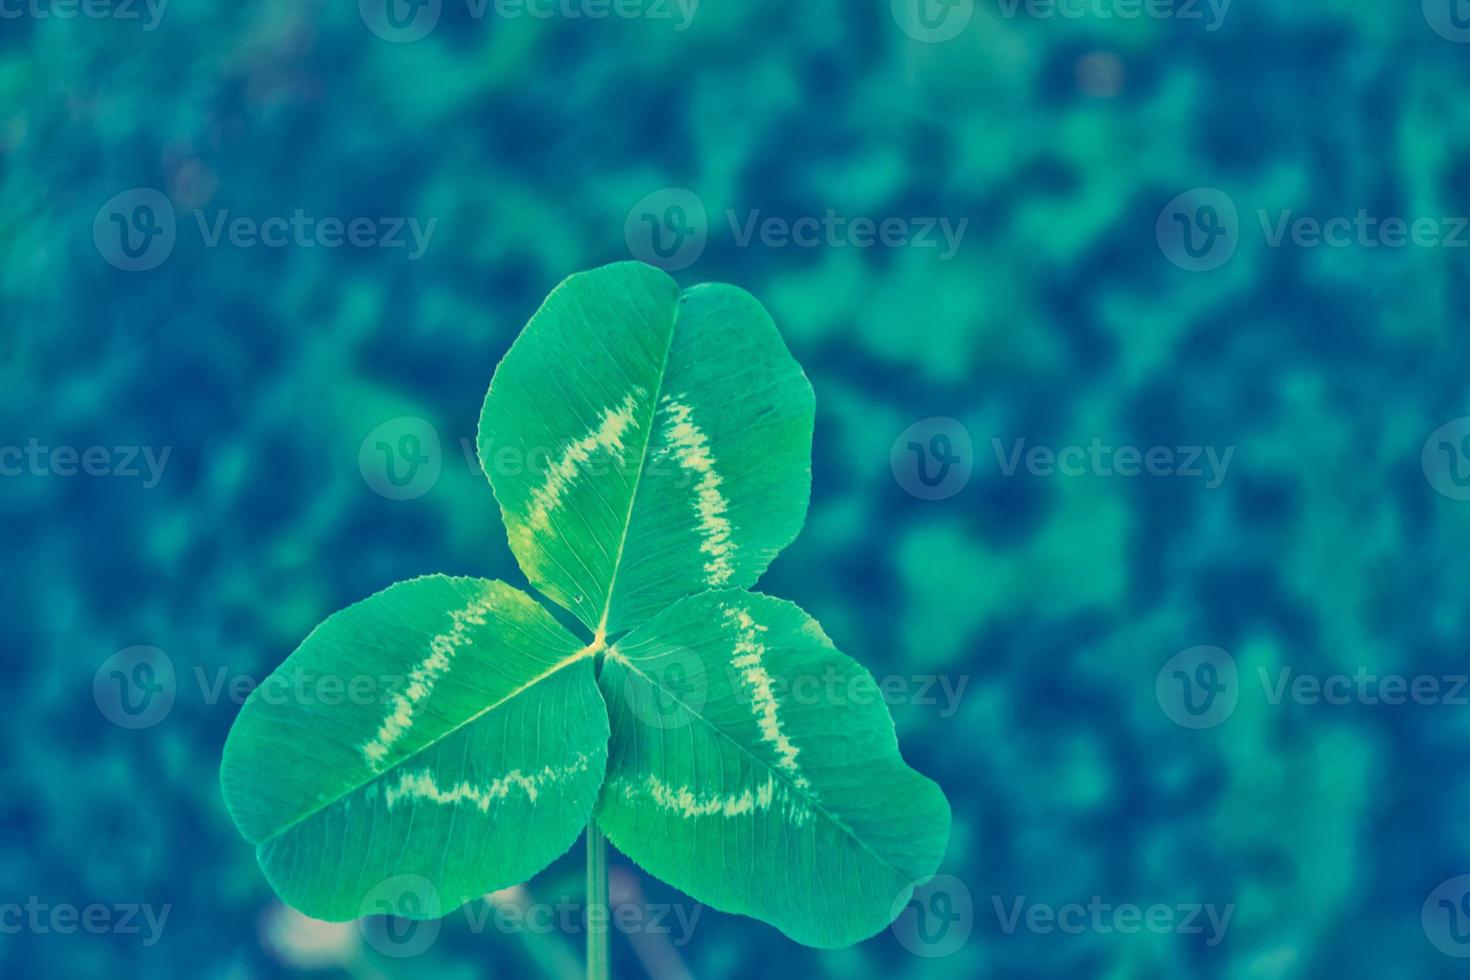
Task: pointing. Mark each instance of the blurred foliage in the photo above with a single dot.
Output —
(1059, 320)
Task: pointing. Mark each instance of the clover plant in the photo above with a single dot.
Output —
(673, 432)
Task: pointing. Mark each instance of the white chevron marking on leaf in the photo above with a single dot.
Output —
(420, 786)
(421, 679)
(687, 803)
(749, 659)
(690, 447)
(606, 435)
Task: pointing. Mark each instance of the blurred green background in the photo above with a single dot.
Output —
(1054, 603)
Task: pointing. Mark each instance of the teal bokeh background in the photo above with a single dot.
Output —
(1065, 314)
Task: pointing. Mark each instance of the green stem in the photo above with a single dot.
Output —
(597, 915)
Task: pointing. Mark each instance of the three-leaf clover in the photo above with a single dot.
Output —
(651, 454)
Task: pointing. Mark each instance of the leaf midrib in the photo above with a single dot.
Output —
(600, 631)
